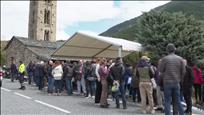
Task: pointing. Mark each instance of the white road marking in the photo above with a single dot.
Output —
(22, 95)
(52, 106)
(5, 89)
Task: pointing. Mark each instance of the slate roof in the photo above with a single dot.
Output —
(43, 49)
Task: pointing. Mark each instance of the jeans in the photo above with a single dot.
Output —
(168, 90)
(69, 85)
(135, 92)
(58, 86)
(81, 83)
(160, 97)
(50, 84)
(30, 77)
(121, 92)
(91, 86)
(13, 76)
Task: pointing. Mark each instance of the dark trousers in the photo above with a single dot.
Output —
(50, 84)
(98, 92)
(30, 77)
(155, 96)
(136, 92)
(122, 93)
(197, 92)
(91, 87)
(13, 76)
(58, 86)
(21, 79)
(41, 82)
(69, 85)
(187, 93)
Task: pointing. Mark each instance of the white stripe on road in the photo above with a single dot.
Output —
(22, 95)
(52, 106)
(5, 89)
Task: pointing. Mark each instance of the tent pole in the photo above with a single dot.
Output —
(120, 51)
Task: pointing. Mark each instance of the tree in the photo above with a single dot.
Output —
(157, 29)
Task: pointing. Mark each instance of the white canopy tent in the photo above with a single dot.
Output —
(87, 46)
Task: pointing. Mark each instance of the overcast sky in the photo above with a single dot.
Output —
(72, 16)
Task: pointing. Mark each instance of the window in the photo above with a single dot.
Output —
(47, 16)
(46, 35)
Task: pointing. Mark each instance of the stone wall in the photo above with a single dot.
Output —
(17, 50)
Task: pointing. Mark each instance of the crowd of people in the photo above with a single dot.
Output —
(153, 85)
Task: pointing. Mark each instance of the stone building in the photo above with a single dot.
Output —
(41, 41)
(25, 49)
(42, 20)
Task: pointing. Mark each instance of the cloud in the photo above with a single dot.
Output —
(132, 9)
(14, 14)
(14, 19)
(72, 12)
(62, 35)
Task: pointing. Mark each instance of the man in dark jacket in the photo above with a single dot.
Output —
(14, 71)
(30, 71)
(117, 72)
(187, 87)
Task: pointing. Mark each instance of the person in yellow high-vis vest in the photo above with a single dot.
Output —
(21, 71)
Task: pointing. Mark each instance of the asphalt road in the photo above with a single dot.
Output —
(32, 101)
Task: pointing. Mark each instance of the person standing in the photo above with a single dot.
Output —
(145, 74)
(98, 83)
(30, 71)
(173, 70)
(68, 74)
(103, 72)
(21, 72)
(117, 72)
(57, 73)
(187, 87)
(41, 76)
(91, 79)
(50, 77)
(198, 80)
(79, 76)
(14, 71)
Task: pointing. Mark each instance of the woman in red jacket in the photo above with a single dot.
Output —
(198, 80)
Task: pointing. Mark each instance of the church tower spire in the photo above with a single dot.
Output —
(42, 20)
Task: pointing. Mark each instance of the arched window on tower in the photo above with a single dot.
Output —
(47, 16)
(46, 35)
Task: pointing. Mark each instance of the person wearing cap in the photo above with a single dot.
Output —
(146, 84)
(173, 70)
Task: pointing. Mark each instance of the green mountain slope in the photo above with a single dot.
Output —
(128, 28)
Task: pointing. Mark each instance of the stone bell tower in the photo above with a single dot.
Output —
(42, 20)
